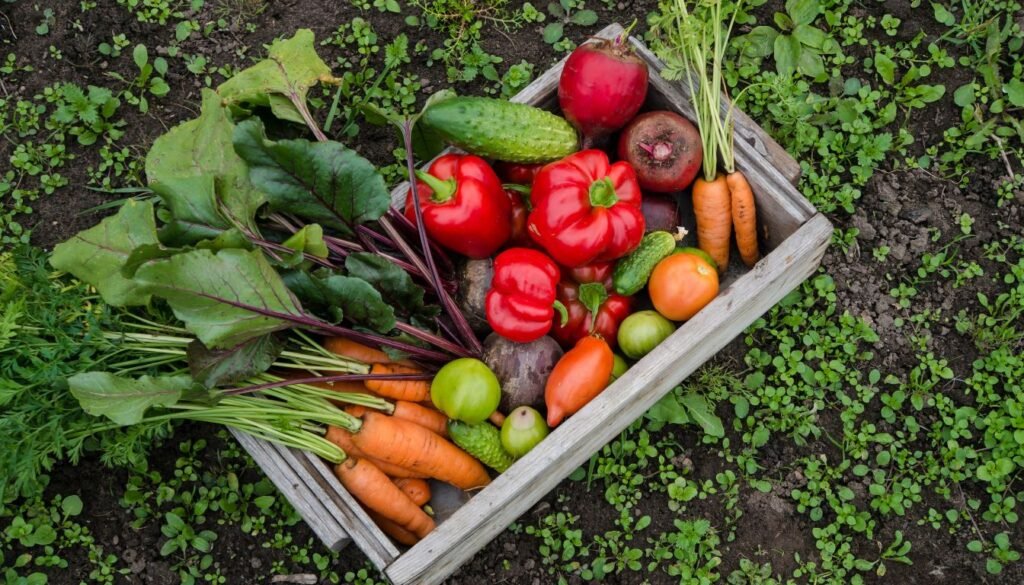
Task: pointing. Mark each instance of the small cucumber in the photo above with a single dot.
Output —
(631, 273)
(482, 441)
(503, 130)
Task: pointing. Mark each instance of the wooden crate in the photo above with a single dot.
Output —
(796, 237)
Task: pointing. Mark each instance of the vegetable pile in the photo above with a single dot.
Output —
(432, 340)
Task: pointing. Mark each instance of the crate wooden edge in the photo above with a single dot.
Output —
(328, 509)
(295, 488)
(514, 492)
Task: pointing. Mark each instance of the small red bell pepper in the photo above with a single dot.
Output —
(600, 272)
(465, 208)
(586, 209)
(519, 195)
(521, 303)
(518, 173)
(584, 301)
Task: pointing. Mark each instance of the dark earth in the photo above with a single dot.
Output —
(897, 208)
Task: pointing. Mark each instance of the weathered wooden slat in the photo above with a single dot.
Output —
(296, 489)
(318, 496)
(529, 479)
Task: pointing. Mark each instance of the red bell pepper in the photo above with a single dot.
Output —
(600, 272)
(465, 208)
(586, 209)
(521, 303)
(584, 301)
(518, 173)
(520, 213)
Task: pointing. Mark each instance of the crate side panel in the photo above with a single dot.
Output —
(530, 478)
(296, 489)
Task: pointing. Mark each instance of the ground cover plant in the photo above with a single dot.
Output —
(867, 429)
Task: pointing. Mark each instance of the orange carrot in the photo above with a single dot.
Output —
(412, 412)
(434, 420)
(413, 447)
(343, 439)
(418, 490)
(411, 390)
(359, 352)
(376, 491)
(497, 418)
(355, 350)
(399, 534)
(744, 217)
(356, 410)
(713, 207)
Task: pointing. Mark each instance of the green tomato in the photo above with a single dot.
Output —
(643, 331)
(619, 366)
(467, 390)
(522, 430)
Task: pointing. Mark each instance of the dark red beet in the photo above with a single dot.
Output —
(664, 148)
(602, 87)
(661, 213)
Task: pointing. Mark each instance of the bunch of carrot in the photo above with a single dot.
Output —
(721, 202)
(389, 455)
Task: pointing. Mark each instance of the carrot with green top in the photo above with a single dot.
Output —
(343, 439)
(410, 390)
(413, 412)
(721, 201)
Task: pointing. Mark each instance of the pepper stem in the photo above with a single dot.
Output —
(563, 313)
(443, 190)
(602, 193)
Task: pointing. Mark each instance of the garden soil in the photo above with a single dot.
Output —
(897, 209)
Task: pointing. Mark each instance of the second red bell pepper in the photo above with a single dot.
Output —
(465, 208)
(590, 307)
(586, 209)
(521, 303)
(519, 196)
(519, 173)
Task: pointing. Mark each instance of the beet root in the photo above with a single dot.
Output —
(664, 149)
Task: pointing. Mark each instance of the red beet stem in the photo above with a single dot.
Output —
(659, 151)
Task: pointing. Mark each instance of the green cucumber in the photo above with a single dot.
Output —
(482, 441)
(633, 271)
(503, 130)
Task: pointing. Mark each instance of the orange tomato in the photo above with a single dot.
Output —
(681, 285)
(580, 375)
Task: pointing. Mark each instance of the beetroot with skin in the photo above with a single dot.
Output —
(602, 87)
(661, 213)
(664, 149)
